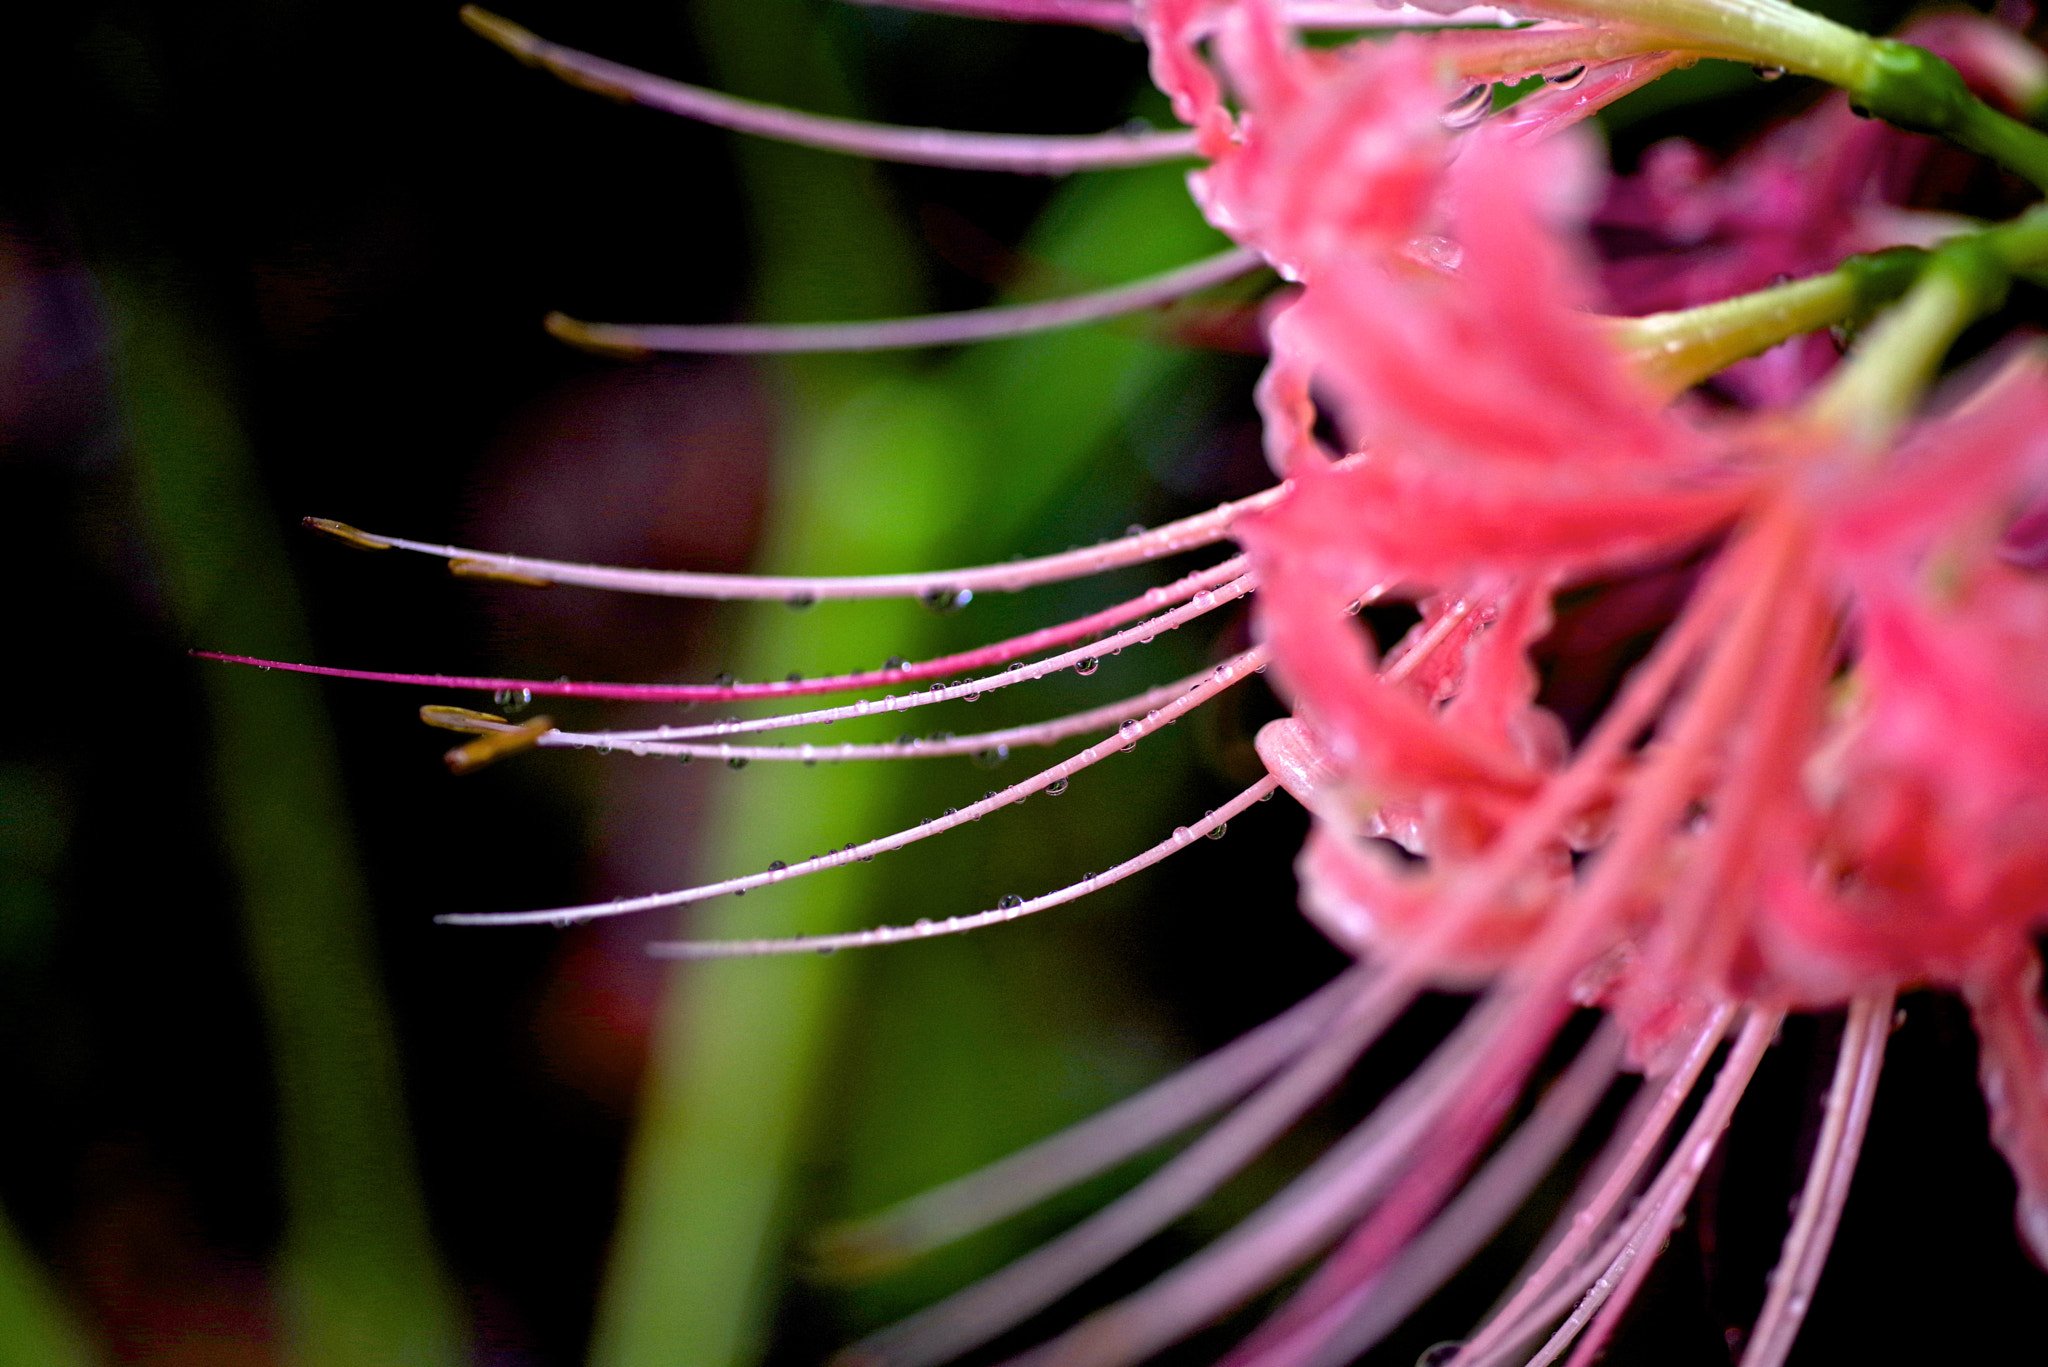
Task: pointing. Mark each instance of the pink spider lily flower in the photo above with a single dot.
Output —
(1822, 787)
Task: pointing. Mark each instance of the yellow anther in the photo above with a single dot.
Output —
(497, 574)
(345, 534)
(461, 719)
(489, 749)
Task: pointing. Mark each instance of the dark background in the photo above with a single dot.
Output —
(338, 226)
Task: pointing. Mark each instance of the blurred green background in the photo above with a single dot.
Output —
(259, 261)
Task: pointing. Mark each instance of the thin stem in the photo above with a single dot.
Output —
(1015, 153)
(1850, 1097)
(945, 589)
(1182, 837)
(892, 334)
(980, 1199)
(1128, 735)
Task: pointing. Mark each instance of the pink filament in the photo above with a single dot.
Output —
(927, 330)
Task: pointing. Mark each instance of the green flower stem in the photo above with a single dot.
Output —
(359, 1284)
(1916, 90)
(36, 1328)
(1766, 32)
(1898, 357)
(1677, 350)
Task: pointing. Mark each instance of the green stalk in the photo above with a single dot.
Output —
(359, 1283)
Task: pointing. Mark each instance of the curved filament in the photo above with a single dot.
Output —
(947, 587)
(1000, 652)
(1128, 735)
(931, 747)
(1847, 1115)
(927, 330)
(935, 1218)
(1182, 837)
(1017, 153)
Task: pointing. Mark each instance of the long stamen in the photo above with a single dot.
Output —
(1483, 1203)
(1008, 1297)
(1129, 734)
(1182, 837)
(1850, 1097)
(974, 1202)
(934, 747)
(1586, 1219)
(1026, 154)
(928, 330)
(1000, 652)
(969, 689)
(945, 587)
(1655, 1212)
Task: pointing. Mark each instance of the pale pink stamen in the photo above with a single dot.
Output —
(954, 925)
(1653, 1217)
(1021, 154)
(1190, 533)
(1637, 1138)
(1128, 735)
(1004, 1299)
(974, 743)
(960, 1207)
(1850, 1097)
(1000, 652)
(926, 330)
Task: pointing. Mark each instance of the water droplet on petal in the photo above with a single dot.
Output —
(1130, 731)
(513, 700)
(1088, 666)
(922, 923)
(777, 866)
(893, 664)
(736, 762)
(1056, 787)
(793, 677)
(1565, 80)
(1009, 901)
(798, 602)
(1768, 73)
(1182, 835)
(992, 756)
(723, 680)
(685, 758)
(1216, 832)
(943, 600)
(1469, 108)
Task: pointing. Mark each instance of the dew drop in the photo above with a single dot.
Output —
(777, 866)
(1135, 529)
(1267, 796)
(1056, 787)
(1768, 73)
(894, 664)
(943, 600)
(1009, 901)
(1216, 832)
(511, 700)
(1205, 599)
(1088, 666)
(828, 949)
(685, 758)
(723, 680)
(1130, 732)
(1182, 835)
(991, 757)
(798, 602)
(1565, 80)
(1469, 108)
(906, 740)
(1015, 665)
(922, 923)
(793, 677)
(736, 762)
(939, 737)
(952, 811)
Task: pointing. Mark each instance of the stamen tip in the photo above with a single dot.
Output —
(461, 719)
(590, 337)
(520, 42)
(497, 574)
(345, 534)
(488, 749)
